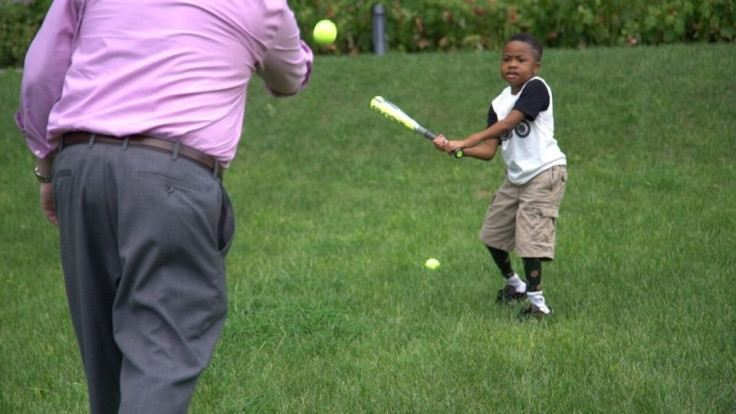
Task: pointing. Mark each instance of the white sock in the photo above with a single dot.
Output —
(537, 300)
(517, 283)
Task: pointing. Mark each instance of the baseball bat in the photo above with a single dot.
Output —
(391, 111)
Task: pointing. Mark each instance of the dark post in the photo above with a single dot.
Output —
(379, 29)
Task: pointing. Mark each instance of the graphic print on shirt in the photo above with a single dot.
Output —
(523, 129)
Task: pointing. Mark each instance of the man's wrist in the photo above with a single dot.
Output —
(43, 170)
(42, 178)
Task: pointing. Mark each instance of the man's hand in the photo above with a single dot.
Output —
(47, 203)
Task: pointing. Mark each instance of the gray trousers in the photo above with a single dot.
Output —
(143, 243)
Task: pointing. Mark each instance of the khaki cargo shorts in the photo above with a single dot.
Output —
(524, 216)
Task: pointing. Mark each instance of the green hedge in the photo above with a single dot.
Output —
(18, 24)
(447, 25)
(431, 25)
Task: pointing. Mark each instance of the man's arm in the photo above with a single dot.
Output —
(287, 66)
(46, 64)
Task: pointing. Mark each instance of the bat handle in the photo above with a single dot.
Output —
(457, 153)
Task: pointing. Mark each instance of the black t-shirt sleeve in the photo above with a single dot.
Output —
(492, 117)
(533, 100)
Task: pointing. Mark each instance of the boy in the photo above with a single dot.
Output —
(523, 212)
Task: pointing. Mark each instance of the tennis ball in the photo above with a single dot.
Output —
(432, 264)
(325, 32)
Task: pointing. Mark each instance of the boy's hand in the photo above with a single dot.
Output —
(440, 142)
(451, 146)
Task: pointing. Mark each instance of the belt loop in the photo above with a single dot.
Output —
(126, 141)
(61, 143)
(215, 169)
(175, 153)
(91, 140)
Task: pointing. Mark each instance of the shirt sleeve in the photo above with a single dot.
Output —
(492, 117)
(533, 99)
(46, 63)
(287, 66)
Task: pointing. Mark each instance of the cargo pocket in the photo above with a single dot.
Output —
(547, 222)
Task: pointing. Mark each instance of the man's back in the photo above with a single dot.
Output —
(173, 69)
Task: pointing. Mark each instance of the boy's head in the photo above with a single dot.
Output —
(532, 41)
(521, 60)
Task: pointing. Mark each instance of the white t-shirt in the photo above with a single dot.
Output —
(531, 147)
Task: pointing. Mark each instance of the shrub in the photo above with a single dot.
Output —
(431, 25)
(447, 25)
(19, 22)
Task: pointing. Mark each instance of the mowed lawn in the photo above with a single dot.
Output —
(331, 310)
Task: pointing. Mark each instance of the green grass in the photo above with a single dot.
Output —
(331, 310)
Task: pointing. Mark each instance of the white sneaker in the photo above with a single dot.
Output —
(515, 289)
(537, 303)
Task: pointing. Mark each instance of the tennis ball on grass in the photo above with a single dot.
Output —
(325, 32)
(432, 264)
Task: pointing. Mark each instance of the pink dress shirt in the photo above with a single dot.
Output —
(172, 69)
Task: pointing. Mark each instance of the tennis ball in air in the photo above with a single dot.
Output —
(325, 32)
(432, 264)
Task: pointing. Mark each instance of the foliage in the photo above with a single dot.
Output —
(18, 24)
(431, 25)
(448, 25)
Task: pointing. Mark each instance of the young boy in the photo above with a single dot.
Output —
(523, 212)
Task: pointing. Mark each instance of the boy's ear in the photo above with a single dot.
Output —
(537, 67)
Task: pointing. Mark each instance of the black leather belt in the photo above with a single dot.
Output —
(157, 144)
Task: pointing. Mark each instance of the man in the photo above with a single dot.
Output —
(133, 110)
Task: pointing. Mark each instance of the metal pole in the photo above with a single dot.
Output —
(379, 29)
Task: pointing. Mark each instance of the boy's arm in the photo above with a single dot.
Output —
(484, 151)
(497, 130)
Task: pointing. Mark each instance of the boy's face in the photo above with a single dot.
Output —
(518, 64)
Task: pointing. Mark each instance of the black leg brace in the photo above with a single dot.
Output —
(533, 272)
(503, 261)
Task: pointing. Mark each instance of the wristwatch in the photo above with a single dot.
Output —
(42, 178)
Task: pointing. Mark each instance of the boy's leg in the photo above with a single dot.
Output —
(499, 226)
(515, 287)
(498, 234)
(533, 271)
(503, 261)
(539, 204)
